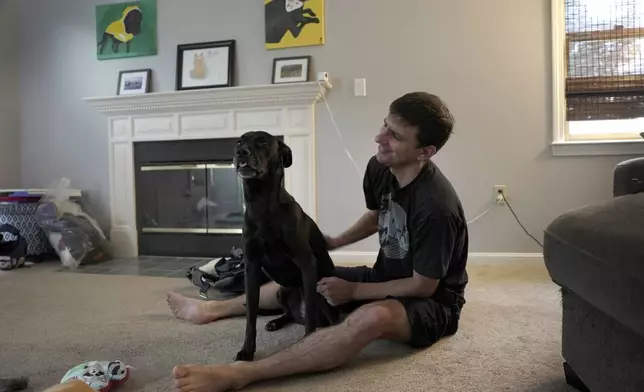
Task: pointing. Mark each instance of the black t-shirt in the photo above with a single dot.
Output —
(421, 227)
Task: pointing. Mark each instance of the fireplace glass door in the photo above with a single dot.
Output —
(225, 192)
(191, 198)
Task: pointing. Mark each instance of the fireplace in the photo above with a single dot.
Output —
(173, 190)
(189, 199)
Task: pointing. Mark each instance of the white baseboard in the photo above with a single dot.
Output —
(356, 258)
(491, 257)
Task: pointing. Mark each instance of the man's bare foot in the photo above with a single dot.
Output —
(209, 378)
(193, 310)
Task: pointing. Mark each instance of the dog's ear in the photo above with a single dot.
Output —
(285, 154)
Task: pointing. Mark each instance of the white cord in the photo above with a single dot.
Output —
(479, 216)
(337, 130)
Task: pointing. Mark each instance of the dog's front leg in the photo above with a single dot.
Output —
(309, 280)
(297, 241)
(253, 274)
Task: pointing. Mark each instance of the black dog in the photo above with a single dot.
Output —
(279, 20)
(279, 238)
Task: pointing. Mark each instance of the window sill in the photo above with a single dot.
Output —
(600, 147)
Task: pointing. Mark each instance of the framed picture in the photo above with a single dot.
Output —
(293, 23)
(205, 65)
(127, 29)
(136, 81)
(291, 69)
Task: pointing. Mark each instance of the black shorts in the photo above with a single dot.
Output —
(430, 318)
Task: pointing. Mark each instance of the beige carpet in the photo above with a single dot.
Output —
(50, 321)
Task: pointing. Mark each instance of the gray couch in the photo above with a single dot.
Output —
(596, 255)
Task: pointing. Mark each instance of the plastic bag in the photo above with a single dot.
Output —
(74, 235)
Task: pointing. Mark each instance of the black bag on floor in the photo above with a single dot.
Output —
(227, 275)
(12, 252)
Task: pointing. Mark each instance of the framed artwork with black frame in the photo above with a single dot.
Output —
(205, 65)
(291, 69)
(134, 81)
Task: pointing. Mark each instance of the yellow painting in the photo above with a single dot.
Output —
(292, 23)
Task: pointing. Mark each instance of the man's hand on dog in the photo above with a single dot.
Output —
(331, 242)
(336, 291)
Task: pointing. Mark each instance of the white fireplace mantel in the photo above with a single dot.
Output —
(280, 109)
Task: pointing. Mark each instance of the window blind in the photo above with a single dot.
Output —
(605, 67)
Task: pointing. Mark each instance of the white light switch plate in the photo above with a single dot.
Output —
(360, 87)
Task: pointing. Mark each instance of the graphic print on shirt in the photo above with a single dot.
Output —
(392, 228)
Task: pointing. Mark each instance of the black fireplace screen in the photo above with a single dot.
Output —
(191, 198)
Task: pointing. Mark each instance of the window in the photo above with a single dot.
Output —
(599, 74)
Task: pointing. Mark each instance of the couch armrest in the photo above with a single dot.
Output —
(628, 177)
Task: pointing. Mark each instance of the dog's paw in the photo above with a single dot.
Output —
(246, 356)
(277, 323)
(273, 325)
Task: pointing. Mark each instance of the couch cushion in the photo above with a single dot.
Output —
(612, 232)
(598, 252)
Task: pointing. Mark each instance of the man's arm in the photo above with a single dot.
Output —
(339, 291)
(364, 227)
(432, 242)
(416, 286)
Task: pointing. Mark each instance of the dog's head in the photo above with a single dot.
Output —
(258, 154)
(132, 18)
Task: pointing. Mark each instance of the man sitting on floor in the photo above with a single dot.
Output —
(415, 291)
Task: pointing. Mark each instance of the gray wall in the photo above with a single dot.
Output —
(490, 60)
(9, 97)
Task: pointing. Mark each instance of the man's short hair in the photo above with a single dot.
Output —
(427, 112)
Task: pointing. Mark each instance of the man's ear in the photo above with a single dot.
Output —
(285, 154)
(426, 153)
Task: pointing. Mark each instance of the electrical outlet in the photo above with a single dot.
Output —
(500, 194)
